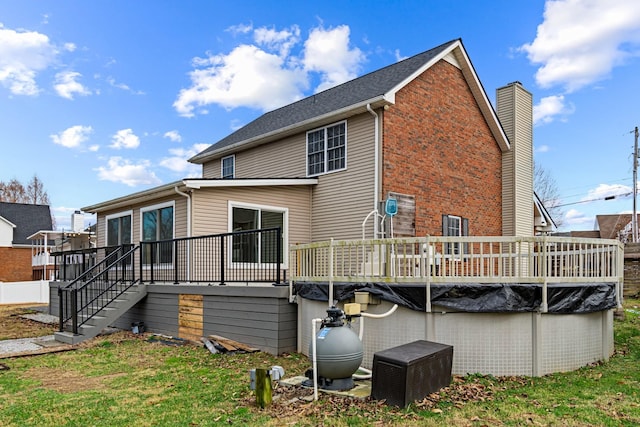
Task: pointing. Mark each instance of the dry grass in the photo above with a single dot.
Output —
(13, 326)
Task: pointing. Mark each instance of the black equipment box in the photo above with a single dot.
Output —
(401, 375)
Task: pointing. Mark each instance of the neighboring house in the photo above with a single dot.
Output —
(610, 226)
(78, 245)
(422, 131)
(17, 222)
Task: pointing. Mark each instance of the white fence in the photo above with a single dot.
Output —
(24, 292)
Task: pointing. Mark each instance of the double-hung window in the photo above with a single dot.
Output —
(254, 243)
(228, 165)
(455, 226)
(327, 149)
(157, 226)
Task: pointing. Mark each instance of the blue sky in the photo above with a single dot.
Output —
(104, 98)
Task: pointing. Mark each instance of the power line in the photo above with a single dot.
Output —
(595, 200)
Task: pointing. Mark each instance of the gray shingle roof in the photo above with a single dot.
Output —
(369, 86)
(28, 219)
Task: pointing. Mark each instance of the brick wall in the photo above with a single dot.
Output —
(438, 147)
(632, 270)
(15, 264)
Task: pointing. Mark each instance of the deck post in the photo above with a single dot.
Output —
(330, 298)
(175, 263)
(222, 260)
(74, 310)
(545, 305)
(427, 273)
(278, 253)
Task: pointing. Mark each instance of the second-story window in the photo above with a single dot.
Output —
(229, 167)
(327, 149)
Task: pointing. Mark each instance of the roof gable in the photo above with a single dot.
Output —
(27, 219)
(610, 225)
(376, 89)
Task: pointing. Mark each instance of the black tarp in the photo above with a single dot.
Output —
(476, 297)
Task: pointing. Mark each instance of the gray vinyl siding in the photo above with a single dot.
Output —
(211, 207)
(158, 311)
(260, 317)
(257, 321)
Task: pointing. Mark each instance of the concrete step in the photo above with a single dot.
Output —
(105, 317)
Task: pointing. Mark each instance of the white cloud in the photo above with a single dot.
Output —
(73, 137)
(334, 43)
(551, 107)
(248, 76)
(575, 218)
(124, 138)
(178, 160)
(22, 55)
(579, 42)
(542, 148)
(124, 171)
(66, 85)
(112, 82)
(609, 190)
(240, 29)
(173, 135)
(399, 57)
(69, 47)
(268, 74)
(280, 41)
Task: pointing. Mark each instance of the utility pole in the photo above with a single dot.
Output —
(634, 219)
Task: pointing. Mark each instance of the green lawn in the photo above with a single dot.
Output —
(124, 380)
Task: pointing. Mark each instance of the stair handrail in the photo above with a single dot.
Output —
(80, 300)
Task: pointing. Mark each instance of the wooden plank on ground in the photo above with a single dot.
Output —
(232, 345)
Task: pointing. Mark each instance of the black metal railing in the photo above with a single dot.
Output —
(241, 256)
(85, 296)
(70, 265)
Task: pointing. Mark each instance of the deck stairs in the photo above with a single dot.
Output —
(96, 323)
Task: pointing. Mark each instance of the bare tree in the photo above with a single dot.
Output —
(12, 191)
(35, 193)
(546, 188)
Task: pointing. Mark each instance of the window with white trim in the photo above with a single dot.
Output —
(258, 248)
(455, 226)
(228, 165)
(327, 149)
(119, 229)
(157, 224)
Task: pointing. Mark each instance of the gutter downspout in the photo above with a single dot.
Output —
(188, 196)
(376, 178)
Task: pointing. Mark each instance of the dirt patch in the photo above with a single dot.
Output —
(69, 381)
(13, 326)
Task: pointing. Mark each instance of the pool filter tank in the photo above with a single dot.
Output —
(338, 353)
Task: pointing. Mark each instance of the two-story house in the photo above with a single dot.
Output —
(422, 133)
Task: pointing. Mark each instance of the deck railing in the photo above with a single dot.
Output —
(241, 256)
(98, 286)
(428, 260)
